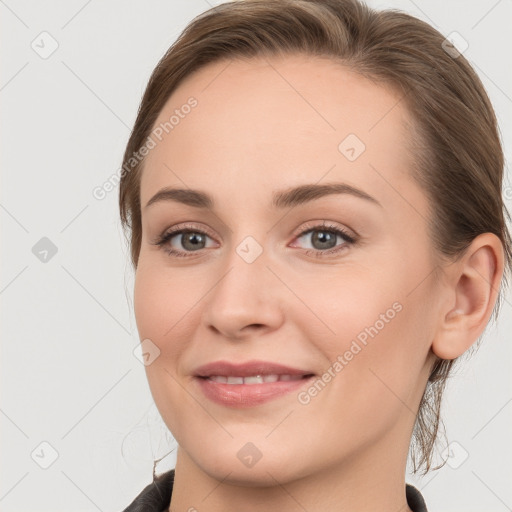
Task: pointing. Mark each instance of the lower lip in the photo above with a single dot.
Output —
(248, 395)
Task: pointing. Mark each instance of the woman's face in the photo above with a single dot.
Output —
(335, 283)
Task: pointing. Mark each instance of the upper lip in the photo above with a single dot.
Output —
(247, 369)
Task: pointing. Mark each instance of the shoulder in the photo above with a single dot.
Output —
(415, 499)
(156, 496)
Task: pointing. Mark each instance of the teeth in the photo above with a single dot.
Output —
(253, 379)
(257, 379)
(218, 378)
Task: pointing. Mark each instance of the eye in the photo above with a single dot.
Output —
(324, 239)
(179, 241)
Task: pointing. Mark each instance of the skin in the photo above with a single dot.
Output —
(266, 125)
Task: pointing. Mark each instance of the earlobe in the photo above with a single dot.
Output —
(475, 281)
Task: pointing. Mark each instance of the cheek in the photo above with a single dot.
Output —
(162, 301)
(349, 304)
(148, 305)
(376, 381)
(164, 313)
(381, 330)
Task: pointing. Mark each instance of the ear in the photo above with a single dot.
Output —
(473, 286)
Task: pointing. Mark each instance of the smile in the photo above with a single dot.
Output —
(241, 392)
(254, 379)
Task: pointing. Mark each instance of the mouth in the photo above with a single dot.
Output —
(249, 384)
(256, 379)
(250, 370)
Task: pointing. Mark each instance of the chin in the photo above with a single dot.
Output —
(233, 465)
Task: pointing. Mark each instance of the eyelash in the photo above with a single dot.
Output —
(163, 239)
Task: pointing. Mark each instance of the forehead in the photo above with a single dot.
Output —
(272, 123)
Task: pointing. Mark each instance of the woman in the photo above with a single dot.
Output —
(312, 191)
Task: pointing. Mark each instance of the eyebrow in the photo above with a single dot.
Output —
(281, 199)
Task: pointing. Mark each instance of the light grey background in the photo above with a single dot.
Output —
(69, 376)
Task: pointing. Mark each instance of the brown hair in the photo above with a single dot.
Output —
(459, 159)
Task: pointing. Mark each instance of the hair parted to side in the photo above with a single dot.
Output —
(459, 158)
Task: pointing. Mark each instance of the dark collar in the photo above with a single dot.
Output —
(156, 496)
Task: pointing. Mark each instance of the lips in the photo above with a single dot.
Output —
(249, 384)
(249, 369)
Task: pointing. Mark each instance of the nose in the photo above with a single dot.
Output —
(246, 299)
